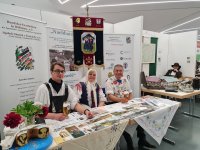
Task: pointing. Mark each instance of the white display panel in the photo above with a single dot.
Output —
(118, 49)
(21, 60)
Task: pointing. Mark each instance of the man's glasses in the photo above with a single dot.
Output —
(59, 71)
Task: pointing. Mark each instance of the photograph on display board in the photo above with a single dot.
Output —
(66, 57)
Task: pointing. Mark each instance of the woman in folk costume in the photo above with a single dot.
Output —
(89, 92)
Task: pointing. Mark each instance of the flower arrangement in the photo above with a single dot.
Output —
(12, 120)
(29, 110)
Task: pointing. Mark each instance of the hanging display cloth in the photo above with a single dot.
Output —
(88, 41)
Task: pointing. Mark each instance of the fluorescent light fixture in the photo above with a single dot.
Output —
(181, 24)
(83, 6)
(189, 29)
(63, 1)
(145, 3)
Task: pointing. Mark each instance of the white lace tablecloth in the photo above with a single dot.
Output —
(157, 122)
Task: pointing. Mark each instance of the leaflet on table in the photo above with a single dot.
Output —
(85, 128)
(137, 100)
(114, 107)
(167, 102)
(67, 133)
(98, 122)
(75, 131)
(58, 125)
(61, 136)
(104, 123)
(154, 102)
(99, 110)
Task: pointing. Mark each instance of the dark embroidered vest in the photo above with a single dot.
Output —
(57, 101)
(84, 95)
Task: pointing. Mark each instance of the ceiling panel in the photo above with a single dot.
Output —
(157, 17)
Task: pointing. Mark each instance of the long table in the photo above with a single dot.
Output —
(155, 122)
(178, 95)
(103, 131)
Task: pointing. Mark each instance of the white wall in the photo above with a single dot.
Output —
(182, 49)
(146, 38)
(174, 48)
(162, 54)
(57, 20)
(25, 12)
(150, 34)
(108, 28)
(133, 26)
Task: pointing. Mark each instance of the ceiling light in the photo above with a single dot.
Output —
(145, 3)
(83, 6)
(189, 29)
(63, 1)
(181, 24)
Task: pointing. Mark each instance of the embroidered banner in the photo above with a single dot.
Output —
(88, 40)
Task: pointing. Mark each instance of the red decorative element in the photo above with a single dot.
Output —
(115, 82)
(87, 22)
(78, 87)
(12, 120)
(45, 110)
(88, 58)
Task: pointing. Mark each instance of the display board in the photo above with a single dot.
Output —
(21, 60)
(118, 49)
(60, 49)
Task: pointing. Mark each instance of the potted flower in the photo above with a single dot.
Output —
(29, 110)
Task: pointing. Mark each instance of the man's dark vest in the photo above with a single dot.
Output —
(57, 101)
(84, 95)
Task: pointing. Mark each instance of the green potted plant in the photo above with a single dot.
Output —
(29, 110)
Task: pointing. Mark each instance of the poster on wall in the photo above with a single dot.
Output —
(148, 53)
(118, 49)
(21, 60)
(61, 49)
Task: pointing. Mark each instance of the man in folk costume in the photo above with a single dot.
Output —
(118, 90)
(56, 92)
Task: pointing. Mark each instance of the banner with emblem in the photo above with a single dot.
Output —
(88, 41)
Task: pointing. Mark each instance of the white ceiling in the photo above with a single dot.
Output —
(157, 17)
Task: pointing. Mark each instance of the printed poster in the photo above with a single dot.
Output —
(60, 49)
(22, 60)
(118, 49)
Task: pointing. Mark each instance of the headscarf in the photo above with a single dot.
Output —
(91, 86)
